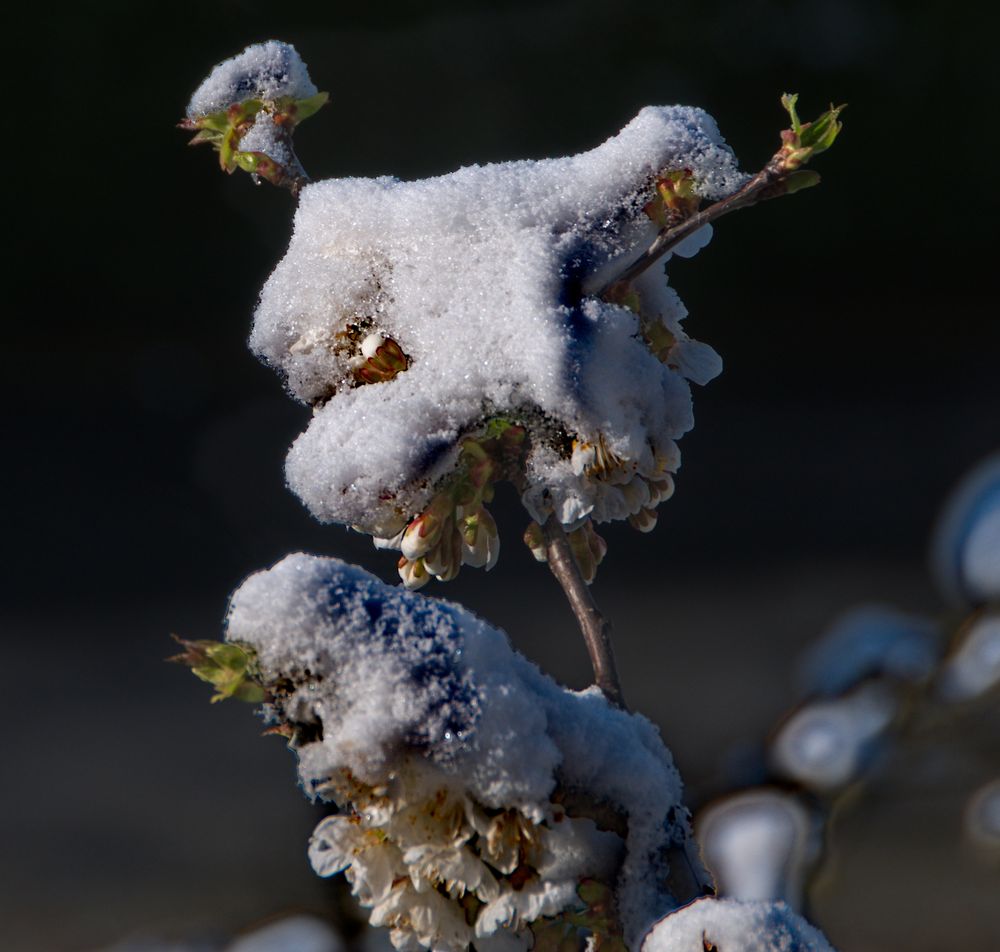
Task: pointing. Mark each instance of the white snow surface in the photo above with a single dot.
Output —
(729, 925)
(266, 71)
(387, 672)
(478, 276)
(264, 135)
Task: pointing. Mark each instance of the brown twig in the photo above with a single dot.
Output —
(769, 182)
(595, 627)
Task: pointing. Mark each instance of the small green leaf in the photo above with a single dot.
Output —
(788, 100)
(803, 178)
(247, 161)
(225, 129)
(822, 133)
(304, 108)
(807, 139)
(227, 667)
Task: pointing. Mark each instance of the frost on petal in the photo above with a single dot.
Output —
(267, 71)
(729, 925)
(478, 276)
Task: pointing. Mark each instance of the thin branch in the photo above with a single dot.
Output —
(769, 182)
(595, 627)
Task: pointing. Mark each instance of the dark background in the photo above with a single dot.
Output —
(145, 445)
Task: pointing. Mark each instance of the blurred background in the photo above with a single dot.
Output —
(858, 326)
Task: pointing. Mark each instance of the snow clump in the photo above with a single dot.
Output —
(413, 316)
(729, 925)
(266, 71)
(475, 793)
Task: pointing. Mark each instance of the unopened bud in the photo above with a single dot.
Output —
(424, 533)
(413, 573)
(534, 539)
(644, 520)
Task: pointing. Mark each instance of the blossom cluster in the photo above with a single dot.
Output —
(416, 317)
(443, 872)
(476, 799)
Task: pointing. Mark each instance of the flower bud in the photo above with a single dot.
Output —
(413, 573)
(644, 520)
(660, 490)
(480, 540)
(424, 532)
(445, 559)
(534, 539)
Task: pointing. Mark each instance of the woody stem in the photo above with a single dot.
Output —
(595, 627)
(769, 182)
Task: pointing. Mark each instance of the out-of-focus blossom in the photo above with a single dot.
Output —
(869, 641)
(972, 665)
(825, 743)
(760, 844)
(982, 819)
(966, 543)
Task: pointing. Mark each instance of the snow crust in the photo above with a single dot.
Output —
(478, 276)
(265, 71)
(394, 686)
(729, 925)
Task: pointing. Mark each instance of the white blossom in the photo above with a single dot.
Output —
(445, 752)
(483, 281)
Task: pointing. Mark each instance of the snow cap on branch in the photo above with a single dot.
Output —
(268, 71)
(411, 314)
(729, 925)
(457, 763)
